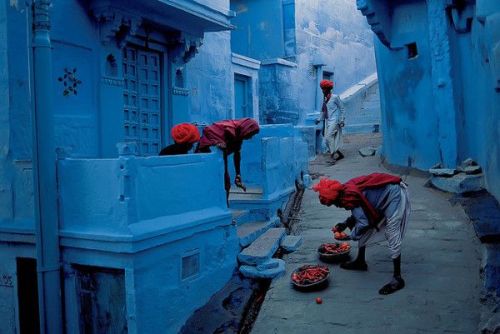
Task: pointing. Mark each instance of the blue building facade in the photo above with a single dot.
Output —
(438, 67)
(116, 238)
(299, 43)
(103, 86)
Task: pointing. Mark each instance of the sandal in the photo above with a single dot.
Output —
(396, 284)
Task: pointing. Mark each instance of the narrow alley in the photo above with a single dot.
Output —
(440, 263)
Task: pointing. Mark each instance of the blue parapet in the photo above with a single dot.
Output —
(162, 220)
(271, 163)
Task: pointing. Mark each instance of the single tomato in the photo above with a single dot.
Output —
(319, 300)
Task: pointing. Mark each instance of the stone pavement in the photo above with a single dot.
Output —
(440, 264)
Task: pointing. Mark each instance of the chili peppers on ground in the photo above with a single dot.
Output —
(310, 274)
(334, 248)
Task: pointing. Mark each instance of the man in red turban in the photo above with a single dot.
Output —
(333, 117)
(378, 203)
(185, 135)
(228, 135)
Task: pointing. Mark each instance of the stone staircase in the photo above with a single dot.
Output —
(364, 116)
(259, 239)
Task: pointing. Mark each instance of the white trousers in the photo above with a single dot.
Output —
(393, 228)
(333, 138)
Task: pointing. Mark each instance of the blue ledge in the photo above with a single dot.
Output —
(150, 233)
(184, 15)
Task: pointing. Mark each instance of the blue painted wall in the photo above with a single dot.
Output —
(440, 106)
(477, 58)
(410, 128)
(122, 212)
(259, 29)
(337, 35)
(297, 40)
(145, 221)
(210, 81)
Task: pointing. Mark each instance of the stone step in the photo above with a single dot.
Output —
(290, 243)
(263, 248)
(253, 193)
(250, 190)
(274, 269)
(249, 232)
(240, 216)
(362, 128)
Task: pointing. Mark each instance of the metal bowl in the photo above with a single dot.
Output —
(334, 257)
(318, 285)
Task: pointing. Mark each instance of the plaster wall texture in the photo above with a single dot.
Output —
(108, 212)
(273, 159)
(210, 80)
(259, 29)
(448, 111)
(409, 127)
(15, 118)
(158, 297)
(165, 299)
(476, 55)
(107, 195)
(337, 35)
(306, 33)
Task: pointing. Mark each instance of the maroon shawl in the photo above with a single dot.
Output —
(350, 194)
(229, 132)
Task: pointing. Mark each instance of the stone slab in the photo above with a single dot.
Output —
(271, 273)
(269, 264)
(291, 243)
(443, 171)
(249, 232)
(470, 169)
(263, 248)
(367, 151)
(458, 184)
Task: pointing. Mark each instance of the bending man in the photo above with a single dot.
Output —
(380, 207)
(228, 136)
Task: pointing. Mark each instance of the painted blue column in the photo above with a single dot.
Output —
(442, 81)
(44, 170)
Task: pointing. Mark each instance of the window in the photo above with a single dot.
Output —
(327, 75)
(412, 50)
(142, 99)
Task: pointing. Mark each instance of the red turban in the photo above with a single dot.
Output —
(326, 84)
(328, 189)
(185, 133)
(351, 192)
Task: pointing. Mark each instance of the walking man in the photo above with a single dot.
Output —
(333, 116)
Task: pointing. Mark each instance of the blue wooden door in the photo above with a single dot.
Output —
(142, 99)
(242, 97)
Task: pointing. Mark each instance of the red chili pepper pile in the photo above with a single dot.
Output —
(310, 274)
(334, 248)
